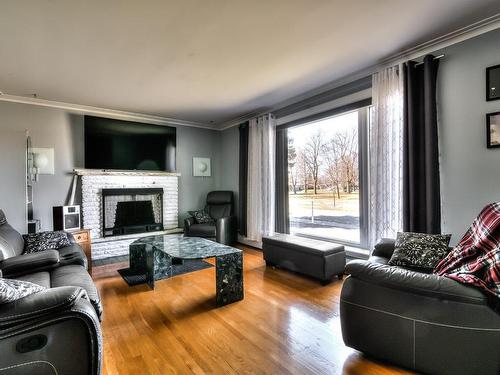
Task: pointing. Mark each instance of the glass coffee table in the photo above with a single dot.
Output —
(154, 256)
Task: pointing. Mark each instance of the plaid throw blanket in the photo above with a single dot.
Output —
(476, 259)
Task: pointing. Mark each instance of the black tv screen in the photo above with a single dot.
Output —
(127, 145)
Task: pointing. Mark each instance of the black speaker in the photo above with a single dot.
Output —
(66, 217)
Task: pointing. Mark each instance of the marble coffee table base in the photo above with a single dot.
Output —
(229, 278)
(157, 265)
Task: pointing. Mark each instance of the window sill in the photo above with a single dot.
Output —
(357, 253)
(352, 251)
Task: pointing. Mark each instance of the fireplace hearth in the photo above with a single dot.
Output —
(130, 211)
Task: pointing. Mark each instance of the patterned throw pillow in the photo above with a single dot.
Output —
(420, 250)
(35, 242)
(12, 290)
(201, 217)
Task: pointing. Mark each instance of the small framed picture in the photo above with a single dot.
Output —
(493, 83)
(201, 167)
(493, 130)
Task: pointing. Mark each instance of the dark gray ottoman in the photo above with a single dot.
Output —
(318, 259)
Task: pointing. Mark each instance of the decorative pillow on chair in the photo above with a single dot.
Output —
(34, 242)
(201, 217)
(12, 290)
(419, 250)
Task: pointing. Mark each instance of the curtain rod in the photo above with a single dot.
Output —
(435, 58)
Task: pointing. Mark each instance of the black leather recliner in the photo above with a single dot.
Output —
(424, 322)
(56, 331)
(220, 207)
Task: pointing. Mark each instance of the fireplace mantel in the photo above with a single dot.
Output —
(109, 172)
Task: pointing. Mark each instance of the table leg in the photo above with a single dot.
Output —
(229, 278)
(137, 258)
(158, 266)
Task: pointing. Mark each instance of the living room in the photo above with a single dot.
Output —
(250, 187)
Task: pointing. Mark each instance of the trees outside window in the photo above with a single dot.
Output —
(323, 165)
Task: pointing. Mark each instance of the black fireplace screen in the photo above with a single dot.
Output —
(128, 211)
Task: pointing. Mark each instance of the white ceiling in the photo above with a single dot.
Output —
(204, 60)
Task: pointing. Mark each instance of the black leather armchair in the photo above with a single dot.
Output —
(220, 207)
(420, 321)
(55, 331)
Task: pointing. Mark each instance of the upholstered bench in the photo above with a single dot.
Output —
(318, 259)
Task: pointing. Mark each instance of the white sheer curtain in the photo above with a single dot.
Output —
(261, 177)
(386, 154)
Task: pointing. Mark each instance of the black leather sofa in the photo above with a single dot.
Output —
(424, 322)
(220, 207)
(56, 331)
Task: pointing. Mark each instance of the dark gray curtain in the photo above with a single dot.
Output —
(243, 179)
(421, 187)
(282, 224)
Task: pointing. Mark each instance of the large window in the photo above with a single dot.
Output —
(326, 177)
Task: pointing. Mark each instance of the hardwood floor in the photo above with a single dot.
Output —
(286, 324)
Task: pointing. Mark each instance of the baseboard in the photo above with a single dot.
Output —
(245, 241)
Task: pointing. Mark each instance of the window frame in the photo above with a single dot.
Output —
(362, 107)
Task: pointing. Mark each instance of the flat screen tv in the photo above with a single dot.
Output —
(127, 145)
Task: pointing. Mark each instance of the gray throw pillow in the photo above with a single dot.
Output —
(419, 250)
(35, 242)
(201, 217)
(12, 290)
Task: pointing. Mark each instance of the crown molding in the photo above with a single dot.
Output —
(454, 37)
(457, 36)
(122, 115)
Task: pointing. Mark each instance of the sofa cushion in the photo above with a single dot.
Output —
(414, 282)
(419, 250)
(74, 275)
(11, 242)
(12, 290)
(34, 242)
(202, 230)
(40, 278)
(384, 248)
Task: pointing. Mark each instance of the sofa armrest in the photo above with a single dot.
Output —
(187, 224)
(40, 304)
(384, 248)
(414, 282)
(225, 230)
(71, 238)
(29, 263)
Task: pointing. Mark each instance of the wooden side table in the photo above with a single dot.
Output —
(82, 237)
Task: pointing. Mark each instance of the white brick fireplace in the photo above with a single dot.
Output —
(94, 181)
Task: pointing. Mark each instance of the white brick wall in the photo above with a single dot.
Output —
(102, 250)
(93, 184)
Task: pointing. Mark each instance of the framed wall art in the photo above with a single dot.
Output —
(493, 130)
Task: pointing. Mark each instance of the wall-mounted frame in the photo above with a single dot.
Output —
(493, 83)
(493, 130)
(201, 167)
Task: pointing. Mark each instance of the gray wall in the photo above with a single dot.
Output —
(63, 131)
(12, 169)
(193, 190)
(470, 173)
(228, 179)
